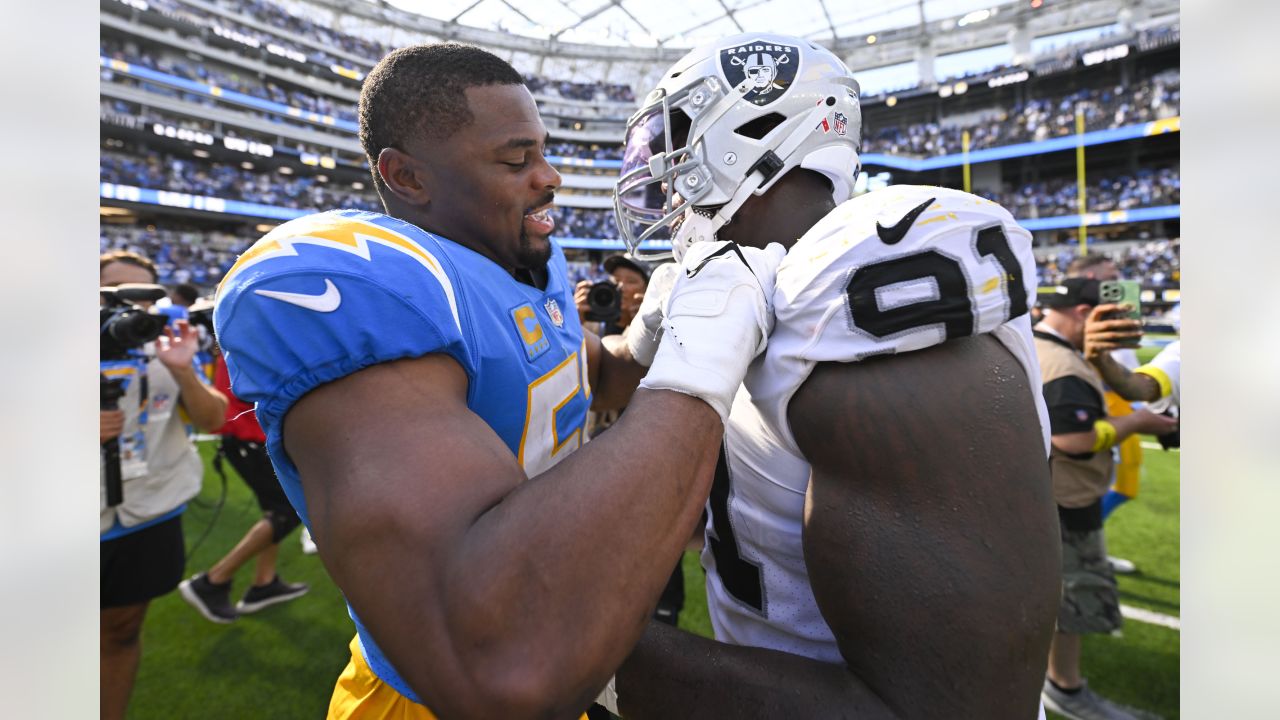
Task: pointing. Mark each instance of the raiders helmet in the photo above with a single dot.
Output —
(726, 121)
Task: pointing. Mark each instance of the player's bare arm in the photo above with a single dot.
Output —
(611, 370)
(927, 465)
(930, 465)
(470, 578)
(1102, 335)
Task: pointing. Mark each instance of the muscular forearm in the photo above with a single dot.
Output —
(1128, 385)
(554, 561)
(619, 375)
(1125, 425)
(674, 674)
(206, 407)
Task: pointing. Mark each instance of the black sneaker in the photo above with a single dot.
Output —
(213, 601)
(276, 591)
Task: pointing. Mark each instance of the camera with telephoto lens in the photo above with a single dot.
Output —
(604, 301)
(124, 325)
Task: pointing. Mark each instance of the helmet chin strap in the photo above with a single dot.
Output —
(695, 228)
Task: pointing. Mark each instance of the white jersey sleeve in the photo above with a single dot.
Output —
(892, 271)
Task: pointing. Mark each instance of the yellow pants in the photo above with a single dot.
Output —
(361, 695)
(1129, 469)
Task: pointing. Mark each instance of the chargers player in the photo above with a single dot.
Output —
(882, 539)
(423, 381)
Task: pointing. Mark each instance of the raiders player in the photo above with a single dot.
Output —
(882, 540)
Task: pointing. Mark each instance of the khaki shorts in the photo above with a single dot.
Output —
(1090, 598)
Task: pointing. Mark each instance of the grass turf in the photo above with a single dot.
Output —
(282, 661)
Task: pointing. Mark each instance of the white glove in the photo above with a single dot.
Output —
(645, 329)
(716, 321)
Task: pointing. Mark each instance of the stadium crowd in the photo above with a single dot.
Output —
(593, 151)
(370, 50)
(214, 179)
(201, 256)
(182, 254)
(1038, 119)
(1145, 188)
(126, 114)
(1049, 198)
(1156, 263)
(131, 52)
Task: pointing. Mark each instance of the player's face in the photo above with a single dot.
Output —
(491, 186)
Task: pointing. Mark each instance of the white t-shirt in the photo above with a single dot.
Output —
(159, 465)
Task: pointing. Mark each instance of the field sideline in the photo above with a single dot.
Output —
(282, 662)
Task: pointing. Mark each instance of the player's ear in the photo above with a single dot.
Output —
(403, 175)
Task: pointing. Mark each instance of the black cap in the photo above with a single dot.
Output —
(613, 262)
(1072, 291)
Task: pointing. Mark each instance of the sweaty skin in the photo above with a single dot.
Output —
(930, 537)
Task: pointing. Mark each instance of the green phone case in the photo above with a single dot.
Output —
(1124, 292)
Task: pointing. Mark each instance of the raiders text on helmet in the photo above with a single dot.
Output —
(726, 121)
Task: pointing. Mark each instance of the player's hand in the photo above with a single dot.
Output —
(580, 293)
(716, 320)
(645, 330)
(1102, 334)
(1152, 423)
(178, 346)
(110, 424)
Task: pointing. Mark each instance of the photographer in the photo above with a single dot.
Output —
(1081, 465)
(630, 278)
(141, 541)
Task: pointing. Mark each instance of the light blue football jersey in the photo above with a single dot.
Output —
(328, 294)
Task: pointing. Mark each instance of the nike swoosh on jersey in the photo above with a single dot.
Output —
(327, 301)
(722, 252)
(894, 234)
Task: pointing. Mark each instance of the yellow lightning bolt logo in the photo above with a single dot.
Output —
(340, 233)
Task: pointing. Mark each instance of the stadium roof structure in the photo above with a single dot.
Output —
(866, 34)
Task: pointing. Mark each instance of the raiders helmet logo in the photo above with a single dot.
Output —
(768, 68)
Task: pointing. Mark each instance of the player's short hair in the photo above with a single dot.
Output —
(128, 257)
(1085, 263)
(420, 90)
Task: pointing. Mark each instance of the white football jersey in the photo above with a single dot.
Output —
(891, 271)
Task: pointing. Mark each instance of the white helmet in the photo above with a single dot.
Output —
(754, 106)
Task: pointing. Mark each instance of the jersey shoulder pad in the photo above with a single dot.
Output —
(325, 295)
(903, 268)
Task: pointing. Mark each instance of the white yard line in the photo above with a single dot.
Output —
(1146, 445)
(1151, 617)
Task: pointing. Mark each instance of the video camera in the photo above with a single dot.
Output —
(123, 327)
(604, 301)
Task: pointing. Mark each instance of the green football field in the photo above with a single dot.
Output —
(282, 662)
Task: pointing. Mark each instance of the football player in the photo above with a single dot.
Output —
(882, 539)
(423, 380)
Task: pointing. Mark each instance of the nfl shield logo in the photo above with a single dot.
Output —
(841, 123)
(768, 69)
(553, 310)
(1082, 416)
